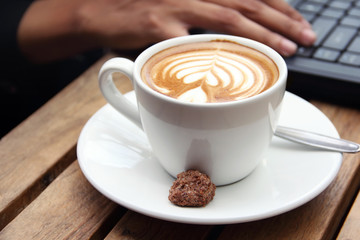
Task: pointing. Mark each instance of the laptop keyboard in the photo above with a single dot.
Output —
(336, 52)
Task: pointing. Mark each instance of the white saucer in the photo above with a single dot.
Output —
(116, 158)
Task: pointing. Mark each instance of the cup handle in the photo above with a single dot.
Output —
(110, 91)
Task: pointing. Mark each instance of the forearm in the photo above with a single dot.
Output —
(50, 30)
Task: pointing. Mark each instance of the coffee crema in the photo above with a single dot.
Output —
(208, 72)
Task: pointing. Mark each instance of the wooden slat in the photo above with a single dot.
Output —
(321, 216)
(32, 191)
(137, 226)
(69, 208)
(351, 227)
(34, 151)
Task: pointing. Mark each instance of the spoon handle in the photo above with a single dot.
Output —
(317, 140)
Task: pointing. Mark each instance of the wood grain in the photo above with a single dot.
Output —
(351, 228)
(70, 208)
(136, 226)
(44, 144)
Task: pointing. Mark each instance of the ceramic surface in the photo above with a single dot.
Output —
(115, 156)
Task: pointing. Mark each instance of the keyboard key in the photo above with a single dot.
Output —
(322, 26)
(351, 21)
(305, 51)
(355, 45)
(340, 37)
(308, 16)
(340, 4)
(333, 12)
(310, 7)
(319, 1)
(354, 12)
(292, 2)
(326, 54)
(350, 59)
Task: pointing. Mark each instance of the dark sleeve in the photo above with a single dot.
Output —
(11, 12)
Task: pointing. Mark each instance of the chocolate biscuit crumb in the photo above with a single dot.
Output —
(192, 189)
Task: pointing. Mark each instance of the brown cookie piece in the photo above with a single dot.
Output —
(192, 189)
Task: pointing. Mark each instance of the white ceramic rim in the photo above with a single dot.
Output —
(146, 54)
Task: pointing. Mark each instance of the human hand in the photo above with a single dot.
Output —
(58, 28)
(272, 22)
(136, 23)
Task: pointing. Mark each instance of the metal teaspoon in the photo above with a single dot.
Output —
(317, 140)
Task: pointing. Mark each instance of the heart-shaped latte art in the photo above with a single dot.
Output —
(215, 73)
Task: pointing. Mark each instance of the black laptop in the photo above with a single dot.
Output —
(330, 69)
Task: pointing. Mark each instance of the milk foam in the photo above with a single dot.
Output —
(214, 71)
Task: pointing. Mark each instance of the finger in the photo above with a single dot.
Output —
(274, 40)
(226, 20)
(278, 21)
(272, 18)
(281, 23)
(285, 8)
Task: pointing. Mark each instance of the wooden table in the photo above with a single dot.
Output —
(44, 194)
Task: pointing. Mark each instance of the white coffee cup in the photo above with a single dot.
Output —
(225, 140)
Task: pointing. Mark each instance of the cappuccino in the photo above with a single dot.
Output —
(208, 72)
(203, 121)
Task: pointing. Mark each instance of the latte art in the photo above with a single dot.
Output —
(215, 71)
